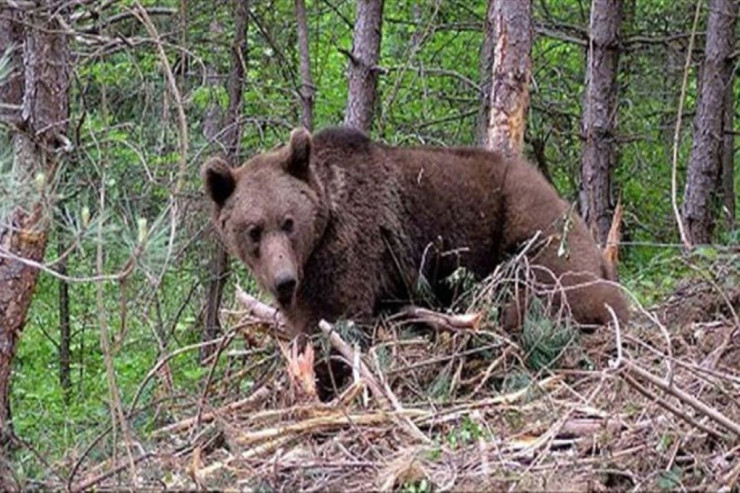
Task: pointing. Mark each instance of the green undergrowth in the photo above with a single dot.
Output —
(544, 339)
(651, 273)
(59, 423)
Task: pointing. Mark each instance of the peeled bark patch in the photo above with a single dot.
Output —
(511, 74)
(363, 71)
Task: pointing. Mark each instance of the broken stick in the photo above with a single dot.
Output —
(464, 321)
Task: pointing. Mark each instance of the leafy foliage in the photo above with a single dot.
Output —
(544, 339)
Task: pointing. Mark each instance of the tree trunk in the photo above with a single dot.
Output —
(699, 209)
(728, 155)
(363, 70)
(11, 89)
(40, 131)
(231, 136)
(599, 122)
(216, 266)
(486, 69)
(235, 83)
(65, 339)
(307, 87)
(511, 21)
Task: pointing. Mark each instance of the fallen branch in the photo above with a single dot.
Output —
(202, 474)
(382, 392)
(301, 411)
(588, 427)
(444, 321)
(679, 394)
(385, 397)
(281, 435)
(349, 355)
(459, 411)
(259, 309)
(86, 485)
(670, 407)
(323, 423)
(265, 313)
(249, 402)
(489, 370)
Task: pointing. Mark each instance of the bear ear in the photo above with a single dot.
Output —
(299, 153)
(219, 179)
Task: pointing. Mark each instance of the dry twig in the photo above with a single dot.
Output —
(256, 398)
(672, 389)
(677, 133)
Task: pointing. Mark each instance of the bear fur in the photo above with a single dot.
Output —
(336, 226)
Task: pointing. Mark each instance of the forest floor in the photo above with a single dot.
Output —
(448, 401)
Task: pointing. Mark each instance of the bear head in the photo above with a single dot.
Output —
(269, 213)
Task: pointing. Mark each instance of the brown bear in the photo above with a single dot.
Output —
(336, 226)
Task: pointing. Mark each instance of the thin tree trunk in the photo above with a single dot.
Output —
(11, 89)
(598, 126)
(363, 71)
(699, 211)
(231, 136)
(218, 272)
(486, 69)
(728, 155)
(235, 83)
(65, 339)
(307, 87)
(45, 110)
(510, 75)
(182, 14)
(216, 266)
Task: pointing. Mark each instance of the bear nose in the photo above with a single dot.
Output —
(284, 286)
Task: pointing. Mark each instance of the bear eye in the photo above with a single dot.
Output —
(288, 225)
(255, 233)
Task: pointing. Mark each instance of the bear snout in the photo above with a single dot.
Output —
(284, 288)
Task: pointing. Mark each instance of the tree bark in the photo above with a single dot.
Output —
(486, 69)
(307, 87)
(231, 136)
(38, 132)
(700, 197)
(599, 155)
(65, 338)
(11, 89)
(235, 83)
(212, 120)
(363, 61)
(511, 73)
(728, 154)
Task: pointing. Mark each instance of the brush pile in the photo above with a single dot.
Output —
(447, 401)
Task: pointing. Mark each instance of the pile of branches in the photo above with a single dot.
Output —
(448, 401)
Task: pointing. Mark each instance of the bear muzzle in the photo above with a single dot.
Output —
(284, 288)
